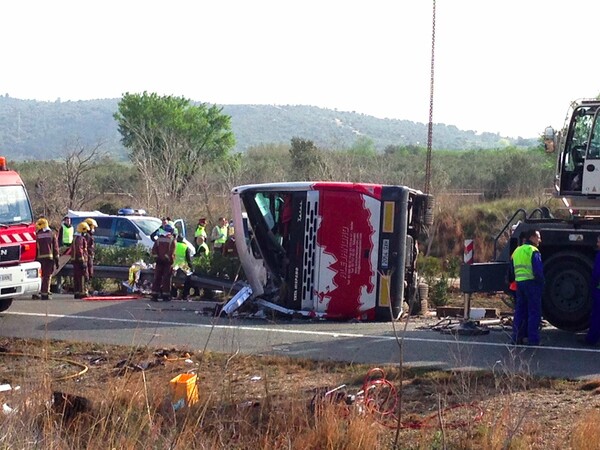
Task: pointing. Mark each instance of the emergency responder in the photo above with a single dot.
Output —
(219, 234)
(91, 247)
(65, 233)
(183, 265)
(529, 275)
(161, 229)
(47, 255)
(200, 235)
(593, 334)
(164, 255)
(79, 259)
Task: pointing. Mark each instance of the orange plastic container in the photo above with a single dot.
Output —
(184, 390)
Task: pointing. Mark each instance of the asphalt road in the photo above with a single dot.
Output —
(182, 325)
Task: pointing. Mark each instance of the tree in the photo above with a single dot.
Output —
(79, 161)
(170, 140)
(306, 160)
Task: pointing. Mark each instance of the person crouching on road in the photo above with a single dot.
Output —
(163, 251)
(529, 275)
(79, 259)
(91, 248)
(46, 254)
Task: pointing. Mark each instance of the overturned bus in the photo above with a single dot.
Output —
(330, 249)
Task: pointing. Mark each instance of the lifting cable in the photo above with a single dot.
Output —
(430, 125)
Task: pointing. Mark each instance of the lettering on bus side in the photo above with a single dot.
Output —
(296, 276)
(385, 253)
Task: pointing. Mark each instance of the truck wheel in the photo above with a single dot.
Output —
(5, 303)
(566, 303)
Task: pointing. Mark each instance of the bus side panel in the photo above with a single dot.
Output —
(295, 243)
(348, 250)
(393, 245)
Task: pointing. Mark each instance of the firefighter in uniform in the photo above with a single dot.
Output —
(65, 234)
(91, 246)
(163, 251)
(183, 263)
(79, 258)
(47, 254)
(529, 275)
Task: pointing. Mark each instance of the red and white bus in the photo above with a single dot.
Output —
(330, 249)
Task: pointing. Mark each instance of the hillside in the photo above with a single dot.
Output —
(31, 129)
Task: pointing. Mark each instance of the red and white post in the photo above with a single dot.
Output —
(468, 259)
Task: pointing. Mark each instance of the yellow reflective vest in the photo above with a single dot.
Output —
(522, 262)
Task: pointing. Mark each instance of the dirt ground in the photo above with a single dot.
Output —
(538, 413)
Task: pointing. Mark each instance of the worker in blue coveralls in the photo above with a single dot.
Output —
(529, 275)
(593, 334)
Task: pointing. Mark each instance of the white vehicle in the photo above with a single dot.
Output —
(126, 229)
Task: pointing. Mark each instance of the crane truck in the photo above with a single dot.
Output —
(569, 243)
(19, 271)
(329, 250)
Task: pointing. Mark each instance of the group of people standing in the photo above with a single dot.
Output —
(170, 251)
(78, 243)
(221, 237)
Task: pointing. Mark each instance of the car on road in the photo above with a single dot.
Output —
(128, 228)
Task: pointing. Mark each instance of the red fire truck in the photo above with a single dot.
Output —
(19, 272)
(328, 249)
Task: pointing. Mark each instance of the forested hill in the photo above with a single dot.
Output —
(31, 129)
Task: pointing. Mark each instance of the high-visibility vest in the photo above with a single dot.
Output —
(200, 231)
(180, 251)
(67, 234)
(203, 249)
(223, 236)
(522, 262)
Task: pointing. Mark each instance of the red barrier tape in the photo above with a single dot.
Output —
(111, 297)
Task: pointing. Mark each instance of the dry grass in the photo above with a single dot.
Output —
(121, 407)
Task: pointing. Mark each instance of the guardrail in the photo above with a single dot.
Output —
(197, 281)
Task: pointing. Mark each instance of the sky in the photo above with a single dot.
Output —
(510, 67)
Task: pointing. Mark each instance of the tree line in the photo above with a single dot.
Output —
(181, 163)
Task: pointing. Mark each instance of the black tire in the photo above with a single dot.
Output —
(566, 303)
(5, 303)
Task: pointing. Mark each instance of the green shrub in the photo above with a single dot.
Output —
(120, 256)
(438, 291)
(429, 267)
(217, 265)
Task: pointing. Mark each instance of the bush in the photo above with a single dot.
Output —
(438, 292)
(217, 265)
(120, 256)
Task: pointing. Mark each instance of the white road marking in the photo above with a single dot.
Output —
(331, 334)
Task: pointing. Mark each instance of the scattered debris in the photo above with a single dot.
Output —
(125, 365)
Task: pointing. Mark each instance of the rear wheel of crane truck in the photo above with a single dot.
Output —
(5, 303)
(566, 303)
